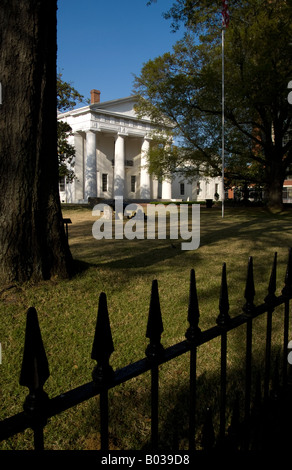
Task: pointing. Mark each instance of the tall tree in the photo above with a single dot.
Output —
(185, 86)
(33, 244)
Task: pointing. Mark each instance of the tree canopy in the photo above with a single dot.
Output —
(185, 87)
(67, 95)
(67, 98)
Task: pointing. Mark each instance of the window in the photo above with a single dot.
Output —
(62, 183)
(182, 189)
(287, 193)
(104, 182)
(133, 184)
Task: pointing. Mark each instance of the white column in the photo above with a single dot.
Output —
(79, 167)
(155, 188)
(144, 176)
(119, 169)
(90, 166)
(166, 182)
(166, 189)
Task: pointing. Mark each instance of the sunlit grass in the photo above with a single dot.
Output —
(124, 270)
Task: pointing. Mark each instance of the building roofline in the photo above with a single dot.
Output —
(109, 102)
(96, 106)
(100, 108)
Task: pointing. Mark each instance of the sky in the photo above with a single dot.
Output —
(103, 44)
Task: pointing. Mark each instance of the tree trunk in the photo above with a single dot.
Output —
(33, 244)
(274, 192)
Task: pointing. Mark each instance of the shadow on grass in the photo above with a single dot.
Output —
(267, 428)
(260, 228)
(80, 267)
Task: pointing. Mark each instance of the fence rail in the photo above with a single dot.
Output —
(38, 408)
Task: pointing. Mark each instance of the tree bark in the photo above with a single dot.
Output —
(274, 193)
(33, 243)
(275, 175)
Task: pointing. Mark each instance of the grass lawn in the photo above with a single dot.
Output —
(124, 270)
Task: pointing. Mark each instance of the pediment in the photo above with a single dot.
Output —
(122, 106)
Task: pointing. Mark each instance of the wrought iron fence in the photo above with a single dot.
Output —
(38, 408)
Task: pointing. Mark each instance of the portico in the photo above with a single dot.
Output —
(114, 165)
(111, 146)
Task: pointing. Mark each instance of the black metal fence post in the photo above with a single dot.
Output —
(287, 293)
(34, 373)
(208, 434)
(269, 300)
(233, 437)
(192, 335)
(154, 352)
(103, 373)
(223, 321)
(248, 310)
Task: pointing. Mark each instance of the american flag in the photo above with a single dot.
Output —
(225, 13)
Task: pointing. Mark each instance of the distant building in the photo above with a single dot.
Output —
(111, 143)
(287, 190)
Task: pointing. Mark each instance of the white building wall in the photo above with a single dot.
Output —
(197, 190)
(181, 189)
(207, 187)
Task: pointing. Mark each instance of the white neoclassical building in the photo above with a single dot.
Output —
(110, 146)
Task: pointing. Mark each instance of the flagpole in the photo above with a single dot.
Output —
(223, 119)
(225, 22)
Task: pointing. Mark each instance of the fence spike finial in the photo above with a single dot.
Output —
(249, 289)
(154, 324)
(223, 318)
(287, 290)
(272, 283)
(35, 369)
(102, 347)
(193, 310)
